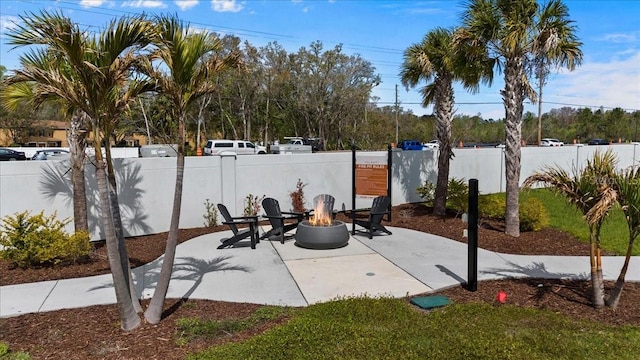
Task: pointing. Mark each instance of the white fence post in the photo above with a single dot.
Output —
(578, 148)
(228, 182)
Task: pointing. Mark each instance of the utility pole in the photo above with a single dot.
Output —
(541, 80)
(397, 110)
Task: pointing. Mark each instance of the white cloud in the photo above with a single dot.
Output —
(8, 22)
(186, 4)
(621, 38)
(615, 83)
(152, 4)
(424, 11)
(92, 3)
(198, 30)
(226, 5)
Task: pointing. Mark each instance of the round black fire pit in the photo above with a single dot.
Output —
(322, 236)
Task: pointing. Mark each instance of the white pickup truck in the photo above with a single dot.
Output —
(294, 146)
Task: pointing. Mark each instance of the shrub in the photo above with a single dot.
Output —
(252, 205)
(211, 214)
(458, 195)
(6, 353)
(492, 206)
(427, 191)
(533, 215)
(40, 240)
(297, 197)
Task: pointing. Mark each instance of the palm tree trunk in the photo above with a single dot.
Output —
(119, 229)
(154, 312)
(128, 316)
(513, 96)
(77, 146)
(444, 110)
(596, 286)
(614, 299)
(599, 259)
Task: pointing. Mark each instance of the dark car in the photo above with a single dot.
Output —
(598, 142)
(11, 155)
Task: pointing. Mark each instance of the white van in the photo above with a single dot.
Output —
(240, 147)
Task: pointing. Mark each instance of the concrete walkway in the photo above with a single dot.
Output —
(405, 263)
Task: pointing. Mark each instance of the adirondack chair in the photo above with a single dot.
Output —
(324, 203)
(239, 234)
(379, 209)
(278, 220)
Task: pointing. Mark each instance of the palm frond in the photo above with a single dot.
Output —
(15, 94)
(600, 209)
(627, 184)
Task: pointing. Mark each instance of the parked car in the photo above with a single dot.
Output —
(239, 147)
(433, 144)
(598, 142)
(50, 153)
(551, 142)
(294, 146)
(410, 145)
(11, 155)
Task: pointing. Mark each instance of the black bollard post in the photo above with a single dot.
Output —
(472, 233)
(353, 186)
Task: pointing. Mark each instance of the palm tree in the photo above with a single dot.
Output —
(627, 185)
(590, 191)
(515, 33)
(190, 60)
(439, 63)
(92, 76)
(36, 83)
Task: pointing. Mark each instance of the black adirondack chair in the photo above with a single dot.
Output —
(324, 203)
(379, 209)
(239, 234)
(278, 220)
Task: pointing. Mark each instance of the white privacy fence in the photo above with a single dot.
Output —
(146, 185)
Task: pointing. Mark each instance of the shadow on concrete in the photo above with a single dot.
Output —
(450, 273)
(535, 270)
(185, 268)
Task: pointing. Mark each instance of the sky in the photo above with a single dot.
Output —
(380, 31)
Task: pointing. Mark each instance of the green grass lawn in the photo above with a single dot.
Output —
(383, 328)
(614, 233)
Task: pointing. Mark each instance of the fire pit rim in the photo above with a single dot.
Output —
(323, 237)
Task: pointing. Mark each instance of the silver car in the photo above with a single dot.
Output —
(57, 154)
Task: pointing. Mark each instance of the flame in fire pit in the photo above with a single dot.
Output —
(321, 215)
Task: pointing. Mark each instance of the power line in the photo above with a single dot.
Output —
(246, 32)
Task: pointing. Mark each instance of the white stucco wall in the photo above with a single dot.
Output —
(146, 185)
